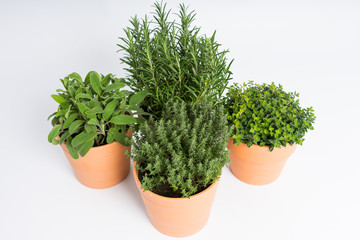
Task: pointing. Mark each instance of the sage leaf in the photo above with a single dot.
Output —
(82, 95)
(75, 126)
(93, 121)
(122, 139)
(114, 86)
(82, 107)
(73, 153)
(77, 77)
(81, 138)
(84, 148)
(58, 99)
(137, 97)
(90, 128)
(95, 82)
(54, 133)
(109, 109)
(70, 119)
(94, 110)
(64, 136)
(123, 120)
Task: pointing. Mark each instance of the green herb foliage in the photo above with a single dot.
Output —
(184, 152)
(170, 59)
(93, 112)
(267, 115)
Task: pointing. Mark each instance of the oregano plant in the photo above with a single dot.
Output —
(266, 115)
(94, 112)
(172, 59)
(184, 151)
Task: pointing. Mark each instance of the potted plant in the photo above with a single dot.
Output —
(94, 120)
(171, 59)
(267, 125)
(178, 161)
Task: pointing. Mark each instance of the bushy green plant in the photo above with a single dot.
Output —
(184, 152)
(170, 59)
(93, 112)
(264, 114)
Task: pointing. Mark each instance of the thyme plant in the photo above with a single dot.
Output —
(184, 152)
(264, 114)
(93, 112)
(170, 59)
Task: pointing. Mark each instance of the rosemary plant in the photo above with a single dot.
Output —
(170, 59)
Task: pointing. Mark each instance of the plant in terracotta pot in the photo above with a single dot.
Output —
(172, 59)
(93, 125)
(178, 160)
(267, 124)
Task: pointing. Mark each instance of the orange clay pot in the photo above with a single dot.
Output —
(257, 165)
(178, 217)
(103, 166)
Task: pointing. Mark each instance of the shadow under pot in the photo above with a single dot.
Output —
(178, 217)
(256, 165)
(103, 166)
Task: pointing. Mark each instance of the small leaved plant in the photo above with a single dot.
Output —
(93, 112)
(171, 59)
(184, 151)
(266, 115)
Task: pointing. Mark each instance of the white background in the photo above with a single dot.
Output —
(310, 46)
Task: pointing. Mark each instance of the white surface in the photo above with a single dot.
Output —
(308, 46)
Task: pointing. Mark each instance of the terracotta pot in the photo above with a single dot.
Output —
(257, 165)
(178, 217)
(102, 167)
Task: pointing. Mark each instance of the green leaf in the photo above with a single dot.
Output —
(70, 119)
(67, 113)
(64, 136)
(95, 82)
(82, 95)
(65, 104)
(53, 114)
(106, 80)
(87, 78)
(81, 138)
(122, 139)
(123, 120)
(54, 133)
(58, 99)
(83, 108)
(90, 128)
(73, 153)
(140, 120)
(271, 148)
(94, 110)
(109, 109)
(77, 77)
(84, 148)
(138, 97)
(55, 120)
(109, 138)
(75, 126)
(93, 121)
(114, 86)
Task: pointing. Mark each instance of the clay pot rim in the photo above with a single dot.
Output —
(262, 147)
(157, 196)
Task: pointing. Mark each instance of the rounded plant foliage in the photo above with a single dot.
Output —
(93, 112)
(184, 151)
(171, 59)
(264, 114)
